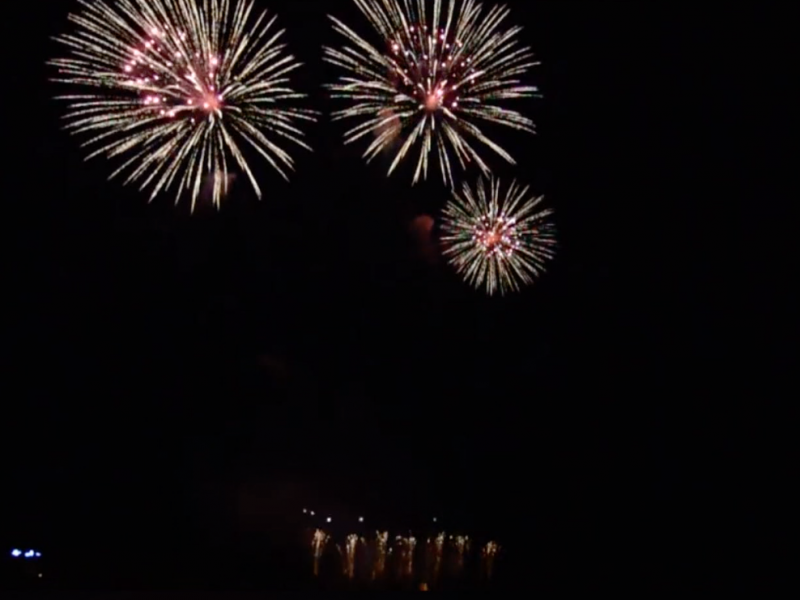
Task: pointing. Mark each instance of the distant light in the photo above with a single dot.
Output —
(435, 519)
(312, 513)
(360, 519)
(29, 554)
(38, 555)
(16, 553)
(40, 575)
(305, 511)
(328, 520)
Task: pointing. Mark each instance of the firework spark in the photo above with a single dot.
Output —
(180, 89)
(437, 73)
(497, 242)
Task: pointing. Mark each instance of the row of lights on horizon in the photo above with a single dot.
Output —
(17, 553)
(311, 513)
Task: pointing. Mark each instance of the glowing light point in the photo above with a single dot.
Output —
(328, 520)
(211, 103)
(16, 553)
(360, 519)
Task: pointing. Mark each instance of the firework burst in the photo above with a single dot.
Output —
(180, 89)
(497, 242)
(438, 73)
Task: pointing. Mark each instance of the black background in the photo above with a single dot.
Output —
(176, 384)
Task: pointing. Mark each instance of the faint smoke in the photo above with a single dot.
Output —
(425, 245)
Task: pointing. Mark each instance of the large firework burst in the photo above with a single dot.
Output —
(179, 88)
(497, 241)
(437, 73)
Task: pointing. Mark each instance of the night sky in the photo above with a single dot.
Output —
(184, 381)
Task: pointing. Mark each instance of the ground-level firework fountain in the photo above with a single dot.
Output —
(350, 555)
(381, 543)
(318, 543)
(372, 560)
(488, 555)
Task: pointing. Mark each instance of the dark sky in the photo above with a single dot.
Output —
(177, 379)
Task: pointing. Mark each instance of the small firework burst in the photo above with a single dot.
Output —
(180, 88)
(435, 74)
(497, 242)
